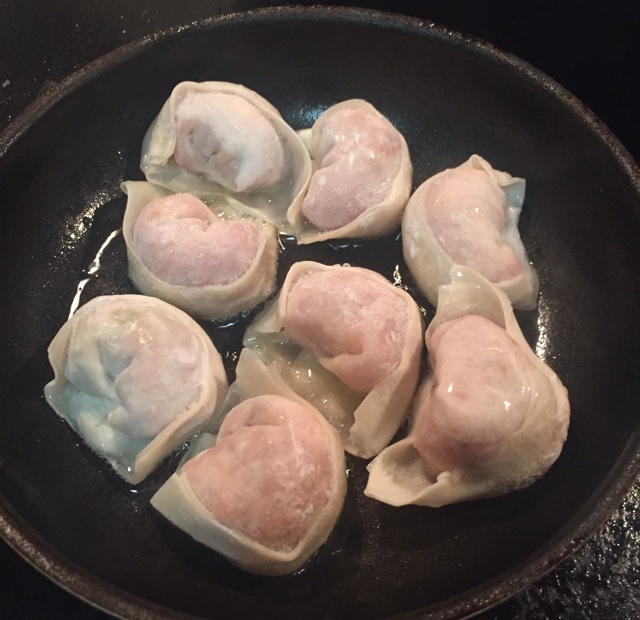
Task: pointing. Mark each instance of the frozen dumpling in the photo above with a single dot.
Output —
(269, 490)
(490, 418)
(134, 377)
(349, 342)
(469, 216)
(223, 140)
(361, 177)
(200, 259)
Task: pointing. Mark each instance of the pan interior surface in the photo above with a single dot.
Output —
(450, 98)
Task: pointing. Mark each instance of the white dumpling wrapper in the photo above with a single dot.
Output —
(211, 301)
(365, 421)
(269, 204)
(113, 351)
(398, 475)
(429, 261)
(177, 501)
(385, 177)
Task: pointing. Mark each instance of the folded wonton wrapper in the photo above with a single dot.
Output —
(257, 525)
(117, 362)
(342, 369)
(477, 210)
(361, 178)
(209, 301)
(529, 441)
(230, 139)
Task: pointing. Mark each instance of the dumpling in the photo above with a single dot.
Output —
(267, 491)
(224, 140)
(469, 216)
(347, 341)
(134, 377)
(362, 176)
(490, 418)
(195, 257)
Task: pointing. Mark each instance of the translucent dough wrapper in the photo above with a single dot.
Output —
(487, 242)
(485, 468)
(221, 122)
(345, 374)
(134, 377)
(360, 165)
(269, 512)
(209, 301)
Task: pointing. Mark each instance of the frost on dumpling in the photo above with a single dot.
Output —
(347, 341)
(134, 377)
(201, 259)
(224, 141)
(469, 216)
(267, 490)
(490, 417)
(361, 177)
(223, 137)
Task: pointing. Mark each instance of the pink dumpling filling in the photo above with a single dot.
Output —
(269, 474)
(225, 136)
(466, 211)
(181, 242)
(357, 157)
(354, 324)
(480, 395)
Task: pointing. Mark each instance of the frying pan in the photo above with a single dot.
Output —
(60, 168)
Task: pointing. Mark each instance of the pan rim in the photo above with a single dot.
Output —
(106, 597)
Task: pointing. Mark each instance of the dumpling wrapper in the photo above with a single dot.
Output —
(267, 491)
(469, 216)
(226, 142)
(347, 341)
(490, 418)
(210, 267)
(361, 178)
(134, 377)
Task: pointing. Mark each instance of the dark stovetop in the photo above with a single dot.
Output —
(590, 47)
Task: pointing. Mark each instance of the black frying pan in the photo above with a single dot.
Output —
(60, 166)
